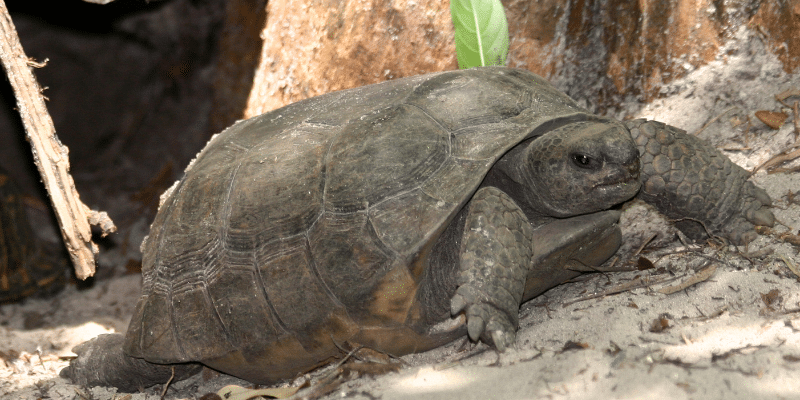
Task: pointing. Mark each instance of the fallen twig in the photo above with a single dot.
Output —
(50, 155)
(781, 97)
(790, 264)
(636, 283)
(779, 159)
(693, 279)
(166, 385)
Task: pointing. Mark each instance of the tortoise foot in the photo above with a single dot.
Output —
(485, 320)
(101, 362)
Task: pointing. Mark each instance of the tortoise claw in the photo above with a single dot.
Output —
(484, 320)
(762, 217)
(457, 304)
(503, 340)
(502, 332)
(761, 195)
(475, 327)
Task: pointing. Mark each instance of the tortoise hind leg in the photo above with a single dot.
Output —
(101, 362)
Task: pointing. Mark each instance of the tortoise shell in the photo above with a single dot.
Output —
(311, 225)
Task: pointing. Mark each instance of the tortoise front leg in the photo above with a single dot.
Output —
(496, 251)
(687, 178)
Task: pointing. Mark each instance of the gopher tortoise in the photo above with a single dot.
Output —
(398, 216)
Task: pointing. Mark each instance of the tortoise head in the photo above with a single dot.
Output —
(581, 167)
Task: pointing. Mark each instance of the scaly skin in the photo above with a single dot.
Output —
(690, 181)
(496, 252)
(101, 362)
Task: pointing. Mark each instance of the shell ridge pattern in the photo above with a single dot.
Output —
(159, 272)
(216, 265)
(157, 268)
(237, 146)
(439, 123)
(184, 275)
(173, 326)
(316, 124)
(225, 215)
(318, 277)
(392, 197)
(260, 281)
(324, 178)
(190, 283)
(153, 279)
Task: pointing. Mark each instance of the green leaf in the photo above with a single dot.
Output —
(481, 32)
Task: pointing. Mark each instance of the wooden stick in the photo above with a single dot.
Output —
(50, 155)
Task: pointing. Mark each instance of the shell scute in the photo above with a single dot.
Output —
(294, 291)
(461, 100)
(278, 188)
(453, 179)
(350, 258)
(227, 291)
(195, 319)
(155, 337)
(405, 221)
(385, 153)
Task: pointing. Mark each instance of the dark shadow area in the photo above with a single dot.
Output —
(133, 88)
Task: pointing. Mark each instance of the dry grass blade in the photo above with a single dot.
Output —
(234, 392)
(715, 119)
(781, 97)
(790, 264)
(693, 279)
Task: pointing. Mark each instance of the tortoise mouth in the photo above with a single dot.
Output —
(626, 175)
(623, 188)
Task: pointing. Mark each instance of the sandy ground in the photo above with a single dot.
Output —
(734, 335)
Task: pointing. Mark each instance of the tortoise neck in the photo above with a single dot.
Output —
(512, 175)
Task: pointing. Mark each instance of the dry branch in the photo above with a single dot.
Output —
(50, 155)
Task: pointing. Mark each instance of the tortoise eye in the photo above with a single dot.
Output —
(584, 161)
